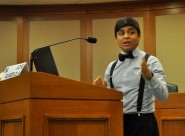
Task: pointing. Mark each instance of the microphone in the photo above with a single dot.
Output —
(91, 40)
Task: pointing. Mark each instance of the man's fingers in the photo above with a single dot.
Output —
(100, 82)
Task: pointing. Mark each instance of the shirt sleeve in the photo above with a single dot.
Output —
(157, 84)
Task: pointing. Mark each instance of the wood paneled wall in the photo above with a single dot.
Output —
(86, 13)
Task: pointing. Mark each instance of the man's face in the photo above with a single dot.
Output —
(127, 38)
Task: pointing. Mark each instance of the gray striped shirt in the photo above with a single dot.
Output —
(126, 78)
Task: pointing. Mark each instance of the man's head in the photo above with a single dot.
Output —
(127, 34)
(128, 21)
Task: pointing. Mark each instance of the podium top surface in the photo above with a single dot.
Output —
(38, 85)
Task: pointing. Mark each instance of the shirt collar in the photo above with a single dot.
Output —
(135, 52)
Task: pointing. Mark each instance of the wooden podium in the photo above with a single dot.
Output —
(171, 115)
(40, 104)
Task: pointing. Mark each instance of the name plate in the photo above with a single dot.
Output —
(15, 70)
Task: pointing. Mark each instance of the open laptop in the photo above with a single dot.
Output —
(44, 61)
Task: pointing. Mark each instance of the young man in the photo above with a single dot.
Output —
(141, 80)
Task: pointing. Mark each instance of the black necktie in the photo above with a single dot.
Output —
(122, 57)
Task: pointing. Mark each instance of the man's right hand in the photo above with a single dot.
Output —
(100, 82)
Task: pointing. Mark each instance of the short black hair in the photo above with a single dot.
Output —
(128, 21)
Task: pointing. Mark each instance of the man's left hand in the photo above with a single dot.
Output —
(147, 74)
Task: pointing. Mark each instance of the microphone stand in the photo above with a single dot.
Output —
(64, 41)
(90, 39)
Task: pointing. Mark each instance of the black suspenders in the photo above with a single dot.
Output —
(141, 85)
(111, 72)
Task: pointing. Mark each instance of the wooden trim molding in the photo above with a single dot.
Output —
(14, 124)
(22, 39)
(76, 122)
(149, 33)
(86, 51)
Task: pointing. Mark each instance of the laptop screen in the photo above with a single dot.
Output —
(44, 61)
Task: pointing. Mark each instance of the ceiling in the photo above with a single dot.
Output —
(37, 2)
